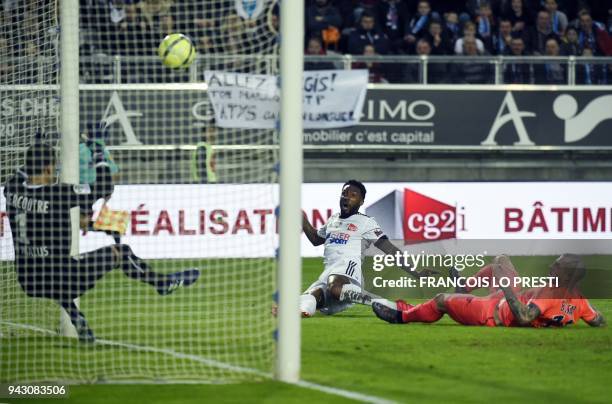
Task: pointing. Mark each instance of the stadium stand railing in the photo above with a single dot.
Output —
(393, 69)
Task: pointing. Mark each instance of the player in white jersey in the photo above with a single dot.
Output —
(340, 284)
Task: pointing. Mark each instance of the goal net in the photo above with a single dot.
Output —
(188, 195)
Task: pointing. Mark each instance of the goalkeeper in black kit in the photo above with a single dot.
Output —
(38, 209)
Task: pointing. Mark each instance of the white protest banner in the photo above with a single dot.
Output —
(332, 99)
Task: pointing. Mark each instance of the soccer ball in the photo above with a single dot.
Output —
(176, 50)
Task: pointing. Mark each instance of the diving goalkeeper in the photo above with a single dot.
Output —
(549, 306)
(39, 215)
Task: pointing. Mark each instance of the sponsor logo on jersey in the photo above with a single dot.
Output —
(568, 308)
(351, 227)
(339, 238)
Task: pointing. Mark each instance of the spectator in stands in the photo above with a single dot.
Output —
(451, 21)
(315, 47)
(472, 8)
(570, 46)
(436, 72)
(538, 35)
(469, 31)
(275, 27)
(367, 34)
(471, 73)
(128, 32)
(203, 24)
(205, 44)
(6, 66)
(165, 25)
(518, 72)
(486, 24)
(394, 14)
(518, 14)
(500, 42)
(438, 39)
(376, 70)
(591, 73)
(417, 26)
(593, 35)
(322, 16)
(362, 6)
(234, 29)
(152, 11)
(551, 72)
(129, 36)
(558, 18)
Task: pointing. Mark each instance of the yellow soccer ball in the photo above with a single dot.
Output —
(176, 50)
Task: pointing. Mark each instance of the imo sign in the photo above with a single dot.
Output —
(415, 217)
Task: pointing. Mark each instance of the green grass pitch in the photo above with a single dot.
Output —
(441, 362)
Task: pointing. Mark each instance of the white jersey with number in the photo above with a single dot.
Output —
(343, 243)
(343, 253)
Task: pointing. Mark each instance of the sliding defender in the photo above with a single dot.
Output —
(511, 306)
(345, 234)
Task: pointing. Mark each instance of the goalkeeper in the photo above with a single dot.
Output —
(39, 215)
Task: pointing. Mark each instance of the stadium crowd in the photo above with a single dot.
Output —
(468, 28)
(474, 28)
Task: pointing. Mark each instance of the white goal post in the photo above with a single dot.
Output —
(290, 261)
(185, 208)
(69, 121)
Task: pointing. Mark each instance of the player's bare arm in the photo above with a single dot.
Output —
(523, 313)
(311, 232)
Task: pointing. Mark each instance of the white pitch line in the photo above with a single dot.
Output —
(145, 348)
(181, 355)
(222, 365)
(344, 393)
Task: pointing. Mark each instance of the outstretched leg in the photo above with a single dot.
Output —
(337, 294)
(343, 290)
(428, 312)
(136, 268)
(464, 309)
(342, 293)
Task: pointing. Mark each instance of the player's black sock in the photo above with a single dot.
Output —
(355, 294)
(136, 268)
(77, 319)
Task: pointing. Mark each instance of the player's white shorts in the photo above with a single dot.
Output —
(351, 270)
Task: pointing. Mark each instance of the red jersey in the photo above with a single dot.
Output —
(555, 310)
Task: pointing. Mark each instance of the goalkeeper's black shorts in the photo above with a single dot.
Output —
(64, 279)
